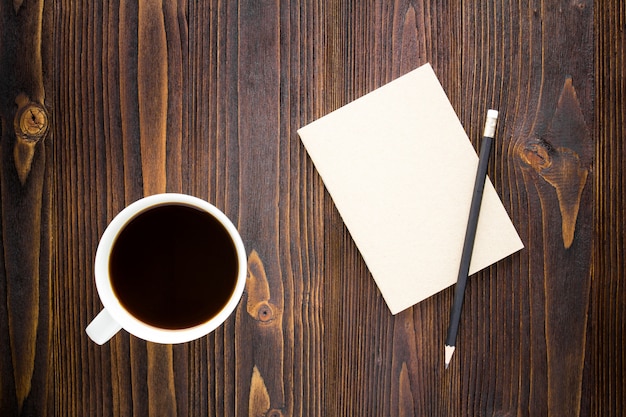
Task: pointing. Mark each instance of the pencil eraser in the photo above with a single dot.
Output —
(490, 123)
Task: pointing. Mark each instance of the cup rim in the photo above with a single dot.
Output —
(110, 301)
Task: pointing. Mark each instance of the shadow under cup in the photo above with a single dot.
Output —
(173, 266)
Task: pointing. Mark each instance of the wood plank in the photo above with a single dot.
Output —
(25, 207)
(527, 315)
(399, 359)
(605, 385)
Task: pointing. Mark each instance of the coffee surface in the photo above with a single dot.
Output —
(173, 266)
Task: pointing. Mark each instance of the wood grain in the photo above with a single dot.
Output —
(26, 263)
(206, 98)
(606, 387)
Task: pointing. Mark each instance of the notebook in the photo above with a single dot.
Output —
(400, 170)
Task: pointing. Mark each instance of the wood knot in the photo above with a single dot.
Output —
(538, 154)
(30, 125)
(265, 313)
(561, 168)
(274, 413)
(258, 305)
(31, 122)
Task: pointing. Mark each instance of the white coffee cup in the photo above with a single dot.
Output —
(116, 316)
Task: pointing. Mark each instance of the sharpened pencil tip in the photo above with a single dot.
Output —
(448, 355)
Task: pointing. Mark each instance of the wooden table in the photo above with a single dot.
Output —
(105, 102)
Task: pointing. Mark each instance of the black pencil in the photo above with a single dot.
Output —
(470, 234)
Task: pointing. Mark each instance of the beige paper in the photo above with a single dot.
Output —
(400, 169)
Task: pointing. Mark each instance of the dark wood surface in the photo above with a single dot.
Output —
(104, 102)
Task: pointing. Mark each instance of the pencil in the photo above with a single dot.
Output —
(470, 234)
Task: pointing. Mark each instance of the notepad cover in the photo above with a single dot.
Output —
(400, 169)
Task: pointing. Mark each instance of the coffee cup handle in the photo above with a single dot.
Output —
(102, 327)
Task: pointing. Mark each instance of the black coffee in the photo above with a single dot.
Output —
(173, 266)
